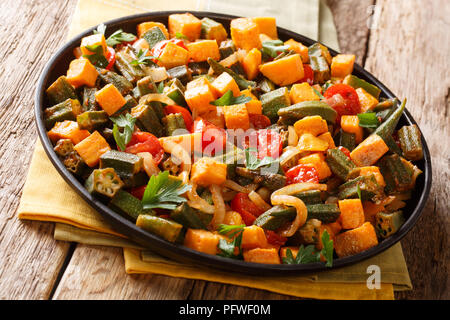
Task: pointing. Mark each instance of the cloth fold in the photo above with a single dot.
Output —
(47, 197)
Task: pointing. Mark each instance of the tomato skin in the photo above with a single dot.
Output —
(351, 105)
(268, 143)
(249, 211)
(184, 112)
(259, 121)
(345, 151)
(274, 238)
(138, 192)
(213, 137)
(309, 75)
(111, 57)
(302, 173)
(145, 142)
(159, 47)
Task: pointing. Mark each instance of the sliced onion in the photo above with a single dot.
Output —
(256, 199)
(180, 154)
(197, 202)
(264, 193)
(219, 206)
(292, 137)
(150, 166)
(288, 154)
(156, 97)
(230, 184)
(141, 44)
(157, 74)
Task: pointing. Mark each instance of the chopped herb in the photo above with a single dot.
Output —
(118, 37)
(126, 123)
(368, 120)
(179, 35)
(328, 249)
(143, 58)
(228, 248)
(228, 99)
(160, 87)
(358, 191)
(164, 192)
(252, 162)
(97, 58)
(274, 47)
(318, 93)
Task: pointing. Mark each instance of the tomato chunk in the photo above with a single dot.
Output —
(259, 121)
(213, 138)
(111, 57)
(274, 238)
(309, 75)
(145, 142)
(347, 103)
(184, 112)
(249, 211)
(159, 47)
(302, 173)
(268, 143)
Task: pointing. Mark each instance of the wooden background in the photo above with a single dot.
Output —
(408, 49)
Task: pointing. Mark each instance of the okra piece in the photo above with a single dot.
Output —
(319, 50)
(144, 86)
(60, 91)
(226, 49)
(89, 102)
(147, 120)
(347, 140)
(212, 30)
(385, 104)
(198, 68)
(136, 180)
(175, 91)
(273, 101)
(355, 82)
(187, 216)
(181, 73)
(327, 213)
(388, 223)
(128, 205)
(366, 186)
(120, 82)
(275, 217)
(173, 122)
(63, 147)
(321, 69)
(310, 196)
(125, 164)
(66, 110)
(240, 80)
(289, 115)
(411, 143)
(339, 163)
(154, 36)
(132, 72)
(397, 175)
(74, 163)
(272, 181)
(164, 228)
(309, 233)
(393, 146)
(92, 120)
(386, 129)
(265, 85)
(104, 182)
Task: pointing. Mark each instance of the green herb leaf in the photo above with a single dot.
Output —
(289, 259)
(126, 123)
(97, 57)
(252, 162)
(164, 192)
(160, 87)
(101, 28)
(318, 93)
(358, 191)
(368, 120)
(274, 47)
(228, 99)
(307, 254)
(143, 58)
(328, 248)
(179, 35)
(118, 37)
(230, 230)
(227, 248)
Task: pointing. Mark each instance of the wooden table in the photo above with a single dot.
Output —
(407, 49)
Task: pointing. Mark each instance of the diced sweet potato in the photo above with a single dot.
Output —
(370, 211)
(251, 63)
(259, 255)
(352, 213)
(110, 99)
(233, 218)
(145, 26)
(355, 241)
(225, 82)
(253, 106)
(245, 34)
(236, 117)
(253, 237)
(311, 124)
(350, 124)
(302, 92)
(206, 171)
(334, 227)
(342, 65)
(92, 148)
(308, 142)
(283, 250)
(67, 130)
(322, 229)
(203, 49)
(267, 25)
(328, 138)
(215, 116)
(318, 161)
(367, 101)
(369, 151)
(81, 72)
(199, 97)
(202, 240)
(367, 171)
(186, 24)
(91, 41)
(189, 142)
(197, 82)
(284, 71)
(173, 56)
(298, 48)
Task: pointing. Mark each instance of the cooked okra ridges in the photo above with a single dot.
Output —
(234, 142)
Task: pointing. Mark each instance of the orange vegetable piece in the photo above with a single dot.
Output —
(366, 100)
(253, 106)
(199, 97)
(93, 40)
(328, 138)
(334, 227)
(207, 171)
(355, 241)
(369, 151)
(301, 92)
(308, 142)
(233, 218)
(236, 117)
(342, 65)
(81, 72)
(370, 211)
(267, 26)
(311, 124)
(110, 99)
(203, 49)
(202, 240)
(67, 130)
(253, 237)
(322, 229)
(251, 63)
(261, 255)
(186, 24)
(367, 171)
(317, 160)
(91, 148)
(298, 48)
(350, 124)
(352, 213)
(284, 71)
(225, 82)
(245, 34)
(283, 251)
(173, 56)
(145, 26)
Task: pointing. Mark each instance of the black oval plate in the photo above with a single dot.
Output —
(58, 65)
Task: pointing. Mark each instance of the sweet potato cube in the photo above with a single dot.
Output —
(92, 148)
(251, 63)
(199, 97)
(342, 65)
(203, 49)
(328, 138)
(370, 211)
(233, 218)
(202, 240)
(267, 26)
(143, 27)
(367, 171)
(283, 251)
(223, 83)
(206, 171)
(253, 106)
(355, 241)
(369, 151)
(260, 255)
(322, 229)
(311, 124)
(186, 24)
(253, 237)
(284, 71)
(91, 41)
(318, 161)
(308, 142)
(350, 124)
(198, 82)
(67, 130)
(302, 92)
(173, 56)
(245, 34)
(298, 48)
(236, 117)
(81, 72)
(110, 99)
(367, 101)
(352, 213)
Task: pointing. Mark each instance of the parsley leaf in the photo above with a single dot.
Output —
(274, 47)
(318, 93)
(179, 35)
(358, 191)
(118, 37)
(160, 87)
(97, 57)
(227, 248)
(164, 192)
(368, 120)
(126, 123)
(143, 58)
(328, 248)
(252, 162)
(228, 99)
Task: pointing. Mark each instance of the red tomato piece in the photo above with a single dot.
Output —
(145, 142)
(259, 121)
(268, 143)
(302, 173)
(111, 57)
(345, 151)
(348, 105)
(309, 75)
(213, 138)
(138, 192)
(274, 238)
(159, 47)
(184, 112)
(249, 211)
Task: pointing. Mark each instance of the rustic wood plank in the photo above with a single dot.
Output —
(409, 53)
(31, 32)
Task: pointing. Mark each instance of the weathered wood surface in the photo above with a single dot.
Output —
(410, 57)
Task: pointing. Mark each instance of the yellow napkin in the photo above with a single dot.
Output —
(78, 222)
